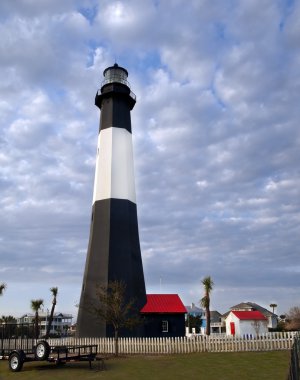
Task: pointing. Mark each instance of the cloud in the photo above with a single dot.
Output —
(215, 132)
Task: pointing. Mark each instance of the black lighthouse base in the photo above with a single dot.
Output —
(113, 255)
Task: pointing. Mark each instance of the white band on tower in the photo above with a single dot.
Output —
(114, 175)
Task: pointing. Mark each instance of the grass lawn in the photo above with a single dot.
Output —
(213, 366)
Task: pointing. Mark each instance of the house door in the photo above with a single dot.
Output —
(232, 328)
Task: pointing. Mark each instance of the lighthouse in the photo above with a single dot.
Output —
(114, 248)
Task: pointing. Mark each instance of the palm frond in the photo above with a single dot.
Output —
(2, 288)
(208, 284)
(36, 304)
(54, 291)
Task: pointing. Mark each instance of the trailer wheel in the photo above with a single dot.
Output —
(16, 361)
(42, 350)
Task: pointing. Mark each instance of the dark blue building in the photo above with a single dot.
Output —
(164, 316)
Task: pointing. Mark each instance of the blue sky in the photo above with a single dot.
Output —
(216, 144)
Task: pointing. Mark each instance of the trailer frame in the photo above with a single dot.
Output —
(19, 348)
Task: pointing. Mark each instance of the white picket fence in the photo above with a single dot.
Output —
(184, 345)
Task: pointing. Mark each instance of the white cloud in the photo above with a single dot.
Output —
(216, 142)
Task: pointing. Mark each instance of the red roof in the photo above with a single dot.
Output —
(163, 303)
(249, 315)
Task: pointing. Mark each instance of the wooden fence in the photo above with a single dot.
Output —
(158, 346)
(294, 371)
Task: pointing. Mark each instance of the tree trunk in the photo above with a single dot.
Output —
(207, 321)
(50, 320)
(116, 342)
(36, 325)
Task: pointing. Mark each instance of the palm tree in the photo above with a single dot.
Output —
(8, 319)
(54, 292)
(205, 301)
(35, 306)
(2, 288)
(273, 306)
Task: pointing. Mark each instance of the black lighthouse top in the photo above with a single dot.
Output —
(115, 74)
(115, 85)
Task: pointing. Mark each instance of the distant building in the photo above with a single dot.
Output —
(72, 329)
(246, 323)
(194, 310)
(60, 326)
(272, 318)
(193, 319)
(217, 326)
(164, 316)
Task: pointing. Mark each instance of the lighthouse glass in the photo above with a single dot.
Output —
(116, 75)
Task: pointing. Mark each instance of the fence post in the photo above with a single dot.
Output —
(294, 360)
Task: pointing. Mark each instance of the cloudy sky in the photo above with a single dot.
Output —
(216, 144)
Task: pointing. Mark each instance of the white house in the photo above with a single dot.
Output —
(60, 325)
(251, 306)
(246, 323)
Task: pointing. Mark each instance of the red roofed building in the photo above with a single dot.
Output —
(164, 315)
(251, 306)
(249, 315)
(246, 323)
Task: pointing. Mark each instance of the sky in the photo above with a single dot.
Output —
(216, 145)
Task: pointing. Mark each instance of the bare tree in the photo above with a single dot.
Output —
(293, 319)
(257, 325)
(110, 305)
(205, 301)
(54, 292)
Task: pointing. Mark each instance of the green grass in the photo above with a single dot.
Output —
(213, 366)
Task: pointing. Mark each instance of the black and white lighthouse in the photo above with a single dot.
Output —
(114, 248)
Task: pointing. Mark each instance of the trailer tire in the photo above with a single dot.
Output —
(42, 350)
(16, 360)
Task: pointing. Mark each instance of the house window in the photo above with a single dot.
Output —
(165, 326)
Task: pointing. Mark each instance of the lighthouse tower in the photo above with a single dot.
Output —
(114, 248)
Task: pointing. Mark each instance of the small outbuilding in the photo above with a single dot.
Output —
(164, 316)
(252, 306)
(246, 323)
